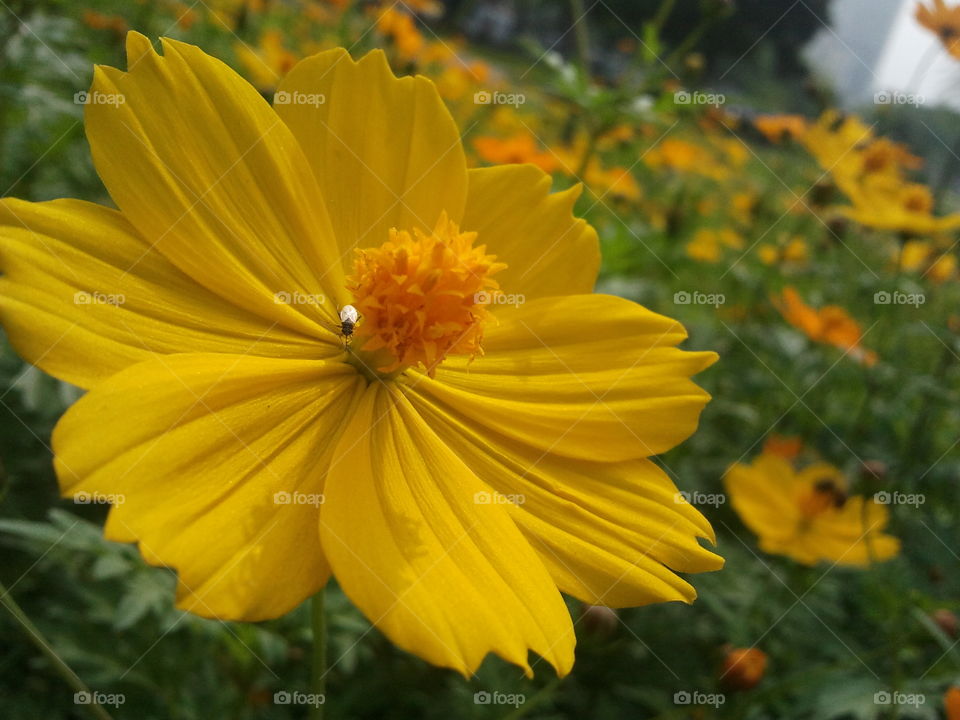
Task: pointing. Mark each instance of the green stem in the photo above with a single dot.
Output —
(318, 621)
(72, 679)
(533, 702)
(582, 34)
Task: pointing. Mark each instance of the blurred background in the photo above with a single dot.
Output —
(779, 175)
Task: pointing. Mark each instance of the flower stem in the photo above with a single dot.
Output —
(318, 680)
(72, 679)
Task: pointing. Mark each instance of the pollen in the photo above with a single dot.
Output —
(422, 296)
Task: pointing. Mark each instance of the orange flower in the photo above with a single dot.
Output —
(743, 668)
(951, 703)
(831, 325)
(777, 128)
(786, 446)
(944, 22)
(518, 148)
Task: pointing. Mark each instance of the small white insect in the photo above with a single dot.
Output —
(348, 319)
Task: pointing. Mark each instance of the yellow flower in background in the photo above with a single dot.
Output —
(807, 515)
(921, 256)
(709, 245)
(777, 128)
(683, 156)
(831, 325)
(788, 251)
(266, 64)
(451, 466)
(943, 21)
(889, 204)
(401, 28)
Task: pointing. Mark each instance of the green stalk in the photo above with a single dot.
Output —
(582, 34)
(318, 621)
(72, 679)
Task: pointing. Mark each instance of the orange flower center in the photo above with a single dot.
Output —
(422, 296)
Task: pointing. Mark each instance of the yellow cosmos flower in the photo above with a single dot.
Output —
(807, 515)
(943, 21)
(709, 245)
(456, 466)
(777, 128)
(887, 203)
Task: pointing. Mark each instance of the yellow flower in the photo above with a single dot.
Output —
(401, 28)
(923, 257)
(269, 62)
(708, 245)
(258, 453)
(831, 325)
(777, 128)
(885, 203)
(807, 515)
(943, 21)
(788, 250)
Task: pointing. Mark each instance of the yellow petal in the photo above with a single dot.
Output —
(763, 494)
(197, 446)
(442, 576)
(200, 164)
(592, 377)
(853, 535)
(386, 151)
(83, 296)
(609, 533)
(547, 250)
